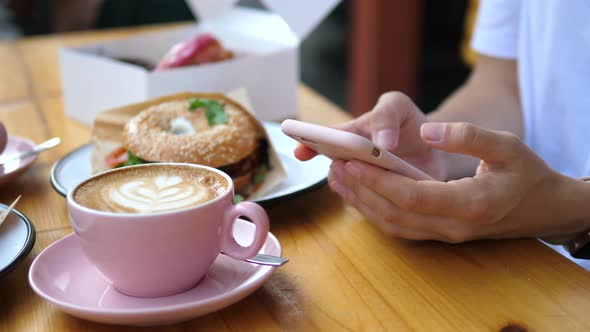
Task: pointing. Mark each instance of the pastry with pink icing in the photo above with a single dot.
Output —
(200, 49)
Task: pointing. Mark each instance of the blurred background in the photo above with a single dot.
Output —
(362, 49)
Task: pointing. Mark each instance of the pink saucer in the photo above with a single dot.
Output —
(62, 275)
(14, 168)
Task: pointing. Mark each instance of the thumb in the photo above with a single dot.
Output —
(386, 117)
(465, 138)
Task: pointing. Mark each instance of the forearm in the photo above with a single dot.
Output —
(489, 99)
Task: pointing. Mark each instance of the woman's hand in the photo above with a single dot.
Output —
(394, 124)
(513, 194)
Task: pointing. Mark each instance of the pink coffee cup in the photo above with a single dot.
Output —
(163, 253)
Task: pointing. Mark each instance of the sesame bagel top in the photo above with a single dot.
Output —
(150, 135)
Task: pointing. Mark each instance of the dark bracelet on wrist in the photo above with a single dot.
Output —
(579, 247)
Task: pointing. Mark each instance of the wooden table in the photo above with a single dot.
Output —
(343, 273)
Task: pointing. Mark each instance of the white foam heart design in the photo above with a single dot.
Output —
(160, 193)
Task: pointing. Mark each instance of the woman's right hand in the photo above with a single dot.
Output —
(394, 124)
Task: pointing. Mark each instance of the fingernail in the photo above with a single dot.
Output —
(339, 188)
(352, 170)
(432, 132)
(337, 170)
(385, 138)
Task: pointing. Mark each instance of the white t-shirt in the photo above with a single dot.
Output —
(550, 39)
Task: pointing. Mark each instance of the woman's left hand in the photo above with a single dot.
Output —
(513, 194)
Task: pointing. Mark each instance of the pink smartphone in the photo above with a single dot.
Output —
(339, 144)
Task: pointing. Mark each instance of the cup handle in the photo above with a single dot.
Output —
(258, 216)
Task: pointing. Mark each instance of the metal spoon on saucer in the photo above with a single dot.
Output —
(264, 259)
(50, 143)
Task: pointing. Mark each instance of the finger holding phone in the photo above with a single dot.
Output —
(394, 125)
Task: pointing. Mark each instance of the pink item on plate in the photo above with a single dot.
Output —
(3, 137)
(15, 168)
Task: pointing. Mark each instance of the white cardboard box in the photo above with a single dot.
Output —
(266, 44)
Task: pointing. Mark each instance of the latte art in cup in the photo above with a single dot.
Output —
(147, 190)
(156, 194)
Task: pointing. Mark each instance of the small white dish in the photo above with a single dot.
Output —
(62, 275)
(17, 237)
(15, 168)
(75, 167)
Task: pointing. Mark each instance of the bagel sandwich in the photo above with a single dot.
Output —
(211, 130)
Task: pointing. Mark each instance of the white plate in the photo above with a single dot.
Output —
(75, 167)
(17, 237)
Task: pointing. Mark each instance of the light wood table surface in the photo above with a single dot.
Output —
(343, 274)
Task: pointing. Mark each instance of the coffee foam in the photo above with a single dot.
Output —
(151, 189)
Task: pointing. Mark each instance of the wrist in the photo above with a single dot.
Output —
(572, 199)
(576, 200)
